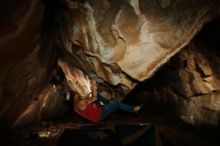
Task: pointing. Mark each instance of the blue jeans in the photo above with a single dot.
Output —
(112, 106)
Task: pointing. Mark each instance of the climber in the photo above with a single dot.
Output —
(93, 106)
(97, 108)
(86, 101)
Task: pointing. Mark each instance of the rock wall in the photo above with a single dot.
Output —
(188, 86)
(124, 42)
(25, 64)
(198, 84)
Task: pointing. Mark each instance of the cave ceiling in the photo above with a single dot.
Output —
(124, 42)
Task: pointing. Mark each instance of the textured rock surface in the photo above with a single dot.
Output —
(76, 79)
(199, 82)
(132, 39)
(51, 105)
(202, 110)
(189, 83)
(195, 75)
(25, 64)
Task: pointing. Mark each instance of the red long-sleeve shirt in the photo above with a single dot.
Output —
(91, 113)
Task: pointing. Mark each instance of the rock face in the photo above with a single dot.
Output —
(76, 79)
(203, 110)
(195, 75)
(22, 75)
(119, 42)
(127, 41)
(199, 82)
(189, 83)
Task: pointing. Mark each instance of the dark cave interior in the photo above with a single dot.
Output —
(181, 99)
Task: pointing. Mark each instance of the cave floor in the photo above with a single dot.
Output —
(167, 131)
